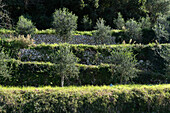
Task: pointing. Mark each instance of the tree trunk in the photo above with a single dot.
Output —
(62, 81)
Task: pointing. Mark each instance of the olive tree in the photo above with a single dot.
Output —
(123, 64)
(103, 32)
(87, 23)
(155, 7)
(25, 26)
(133, 30)
(65, 62)
(64, 23)
(119, 22)
(161, 28)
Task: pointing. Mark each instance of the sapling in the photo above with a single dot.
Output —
(103, 32)
(123, 64)
(65, 62)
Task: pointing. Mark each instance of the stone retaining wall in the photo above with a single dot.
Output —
(77, 39)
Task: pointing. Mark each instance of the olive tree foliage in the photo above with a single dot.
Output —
(161, 28)
(4, 69)
(155, 7)
(133, 30)
(65, 62)
(119, 22)
(145, 22)
(103, 32)
(123, 64)
(64, 23)
(5, 20)
(87, 23)
(25, 26)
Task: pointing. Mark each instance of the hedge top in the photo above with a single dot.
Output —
(88, 88)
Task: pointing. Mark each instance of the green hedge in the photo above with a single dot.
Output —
(94, 55)
(52, 31)
(6, 31)
(122, 99)
(43, 74)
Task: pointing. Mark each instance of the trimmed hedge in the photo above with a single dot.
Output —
(116, 99)
(152, 68)
(52, 31)
(95, 55)
(43, 74)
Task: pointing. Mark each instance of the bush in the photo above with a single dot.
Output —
(123, 64)
(25, 26)
(145, 23)
(161, 29)
(155, 7)
(65, 63)
(103, 33)
(21, 41)
(87, 23)
(120, 22)
(123, 99)
(133, 30)
(64, 23)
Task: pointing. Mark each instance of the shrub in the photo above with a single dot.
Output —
(4, 69)
(21, 41)
(103, 33)
(155, 7)
(120, 22)
(87, 23)
(148, 34)
(25, 26)
(145, 23)
(161, 29)
(133, 30)
(65, 62)
(123, 64)
(64, 23)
